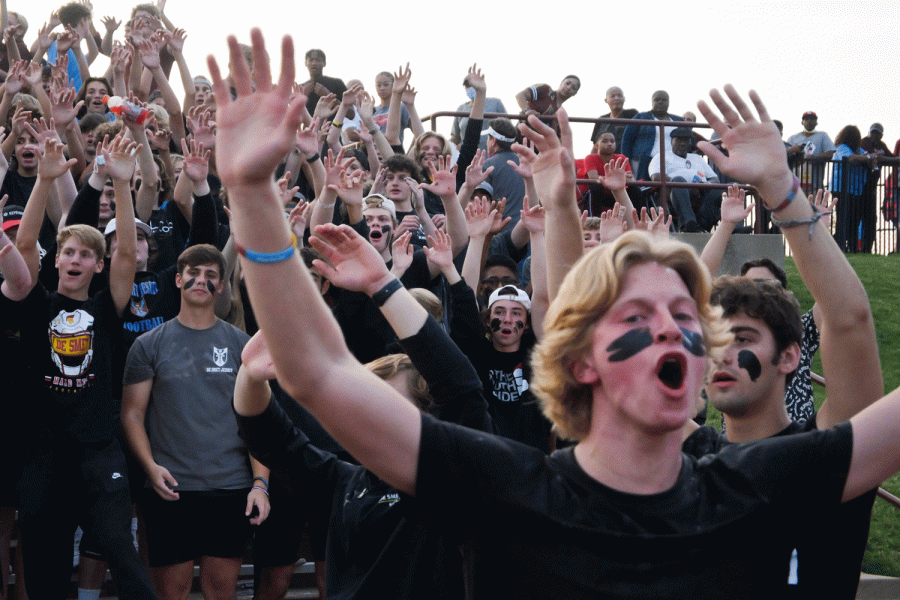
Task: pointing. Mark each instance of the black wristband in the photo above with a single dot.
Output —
(382, 295)
(313, 158)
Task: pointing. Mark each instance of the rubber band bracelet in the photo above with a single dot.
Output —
(267, 259)
(795, 187)
(263, 480)
(382, 295)
(313, 158)
(260, 488)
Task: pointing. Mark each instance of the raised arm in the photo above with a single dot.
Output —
(443, 184)
(392, 130)
(554, 177)
(849, 351)
(848, 347)
(51, 166)
(120, 160)
(255, 131)
(733, 214)
(533, 219)
(16, 277)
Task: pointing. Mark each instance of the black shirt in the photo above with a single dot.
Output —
(537, 526)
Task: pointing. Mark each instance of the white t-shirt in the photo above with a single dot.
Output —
(692, 167)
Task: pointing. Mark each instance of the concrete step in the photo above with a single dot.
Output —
(878, 587)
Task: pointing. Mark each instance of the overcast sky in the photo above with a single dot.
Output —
(836, 58)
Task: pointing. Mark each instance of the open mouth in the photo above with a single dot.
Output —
(375, 234)
(723, 377)
(671, 370)
(28, 154)
(506, 331)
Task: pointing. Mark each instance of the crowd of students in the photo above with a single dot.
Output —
(188, 331)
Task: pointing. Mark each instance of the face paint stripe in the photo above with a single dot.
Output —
(629, 344)
(748, 361)
(495, 324)
(693, 341)
(211, 287)
(190, 283)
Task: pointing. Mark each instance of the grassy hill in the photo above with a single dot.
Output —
(881, 277)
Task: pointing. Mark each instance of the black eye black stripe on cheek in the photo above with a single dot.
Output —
(750, 363)
(693, 341)
(629, 344)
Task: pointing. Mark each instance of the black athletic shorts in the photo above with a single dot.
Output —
(197, 524)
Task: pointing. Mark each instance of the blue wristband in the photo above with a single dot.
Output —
(275, 257)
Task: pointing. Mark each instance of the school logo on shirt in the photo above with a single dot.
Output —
(71, 348)
(139, 307)
(219, 357)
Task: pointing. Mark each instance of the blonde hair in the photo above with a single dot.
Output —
(429, 302)
(586, 294)
(87, 235)
(393, 364)
(161, 114)
(591, 224)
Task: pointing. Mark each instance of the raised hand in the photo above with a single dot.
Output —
(443, 177)
(820, 201)
(756, 154)
(196, 161)
(149, 50)
(476, 79)
(350, 187)
(523, 167)
(533, 217)
(351, 262)
(498, 222)
(157, 136)
(553, 166)
(326, 107)
(401, 79)
(733, 210)
(110, 23)
(418, 196)
(44, 39)
(475, 175)
(19, 119)
(176, 40)
(298, 219)
(63, 112)
(333, 167)
(306, 142)
(616, 175)
(612, 223)
(15, 79)
(439, 251)
(120, 158)
(202, 126)
(409, 95)
(479, 217)
(41, 131)
(66, 40)
(53, 163)
(258, 128)
(401, 254)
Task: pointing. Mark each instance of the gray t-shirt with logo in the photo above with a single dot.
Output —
(190, 423)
